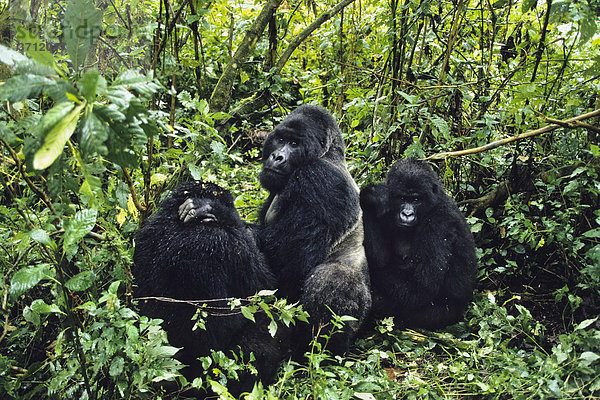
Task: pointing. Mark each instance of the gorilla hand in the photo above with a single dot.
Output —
(196, 209)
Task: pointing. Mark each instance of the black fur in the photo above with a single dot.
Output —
(420, 250)
(310, 225)
(213, 255)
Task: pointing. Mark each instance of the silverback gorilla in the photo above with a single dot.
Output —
(310, 225)
(200, 249)
(420, 250)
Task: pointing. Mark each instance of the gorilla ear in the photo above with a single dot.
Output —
(325, 143)
(436, 191)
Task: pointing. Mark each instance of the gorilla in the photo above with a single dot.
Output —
(310, 226)
(198, 248)
(420, 251)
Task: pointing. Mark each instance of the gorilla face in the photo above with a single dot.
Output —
(298, 139)
(413, 193)
(406, 206)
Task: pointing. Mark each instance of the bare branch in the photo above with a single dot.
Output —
(567, 123)
(134, 195)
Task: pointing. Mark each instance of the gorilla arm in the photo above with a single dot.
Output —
(375, 205)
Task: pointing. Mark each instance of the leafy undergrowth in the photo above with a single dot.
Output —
(495, 353)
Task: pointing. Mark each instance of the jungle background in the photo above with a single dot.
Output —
(106, 105)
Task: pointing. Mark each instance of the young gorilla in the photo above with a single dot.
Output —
(200, 249)
(420, 250)
(310, 225)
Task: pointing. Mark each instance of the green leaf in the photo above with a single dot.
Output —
(93, 135)
(559, 9)
(114, 287)
(26, 278)
(414, 150)
(40, 236)
(31, 316)
(592, 233)
(23, 87)
(133, 80)
(220, 390)
(499, 4)
(59, 123)
(11, 57)
(80, 225)
(272, 328)
(81, 281)
(90, 84)
(364, 396)
(476, 227)
(267, 292)
(82, 26)
(588, 28)
(157, 178)
(162, 351)
(116, 366)
(585, 324)
(35, 48)
(587, 358)
(594, 69)
(39, 306)
(412, 99)
(89, 306)
(441, 125)
(220, 115)
(195, 171)
(248, 312)
(528, 5)
(218, 149)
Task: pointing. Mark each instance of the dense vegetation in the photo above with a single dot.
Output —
(106, 105)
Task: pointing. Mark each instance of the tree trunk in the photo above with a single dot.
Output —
(221, 95)
(259, 99)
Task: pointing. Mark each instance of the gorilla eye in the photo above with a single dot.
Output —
(293, 143)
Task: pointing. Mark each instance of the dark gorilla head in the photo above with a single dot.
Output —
(308, 133)
(414, 189)
(213, 206)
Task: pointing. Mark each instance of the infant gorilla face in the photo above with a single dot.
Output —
(413, 193)
(406, 209)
